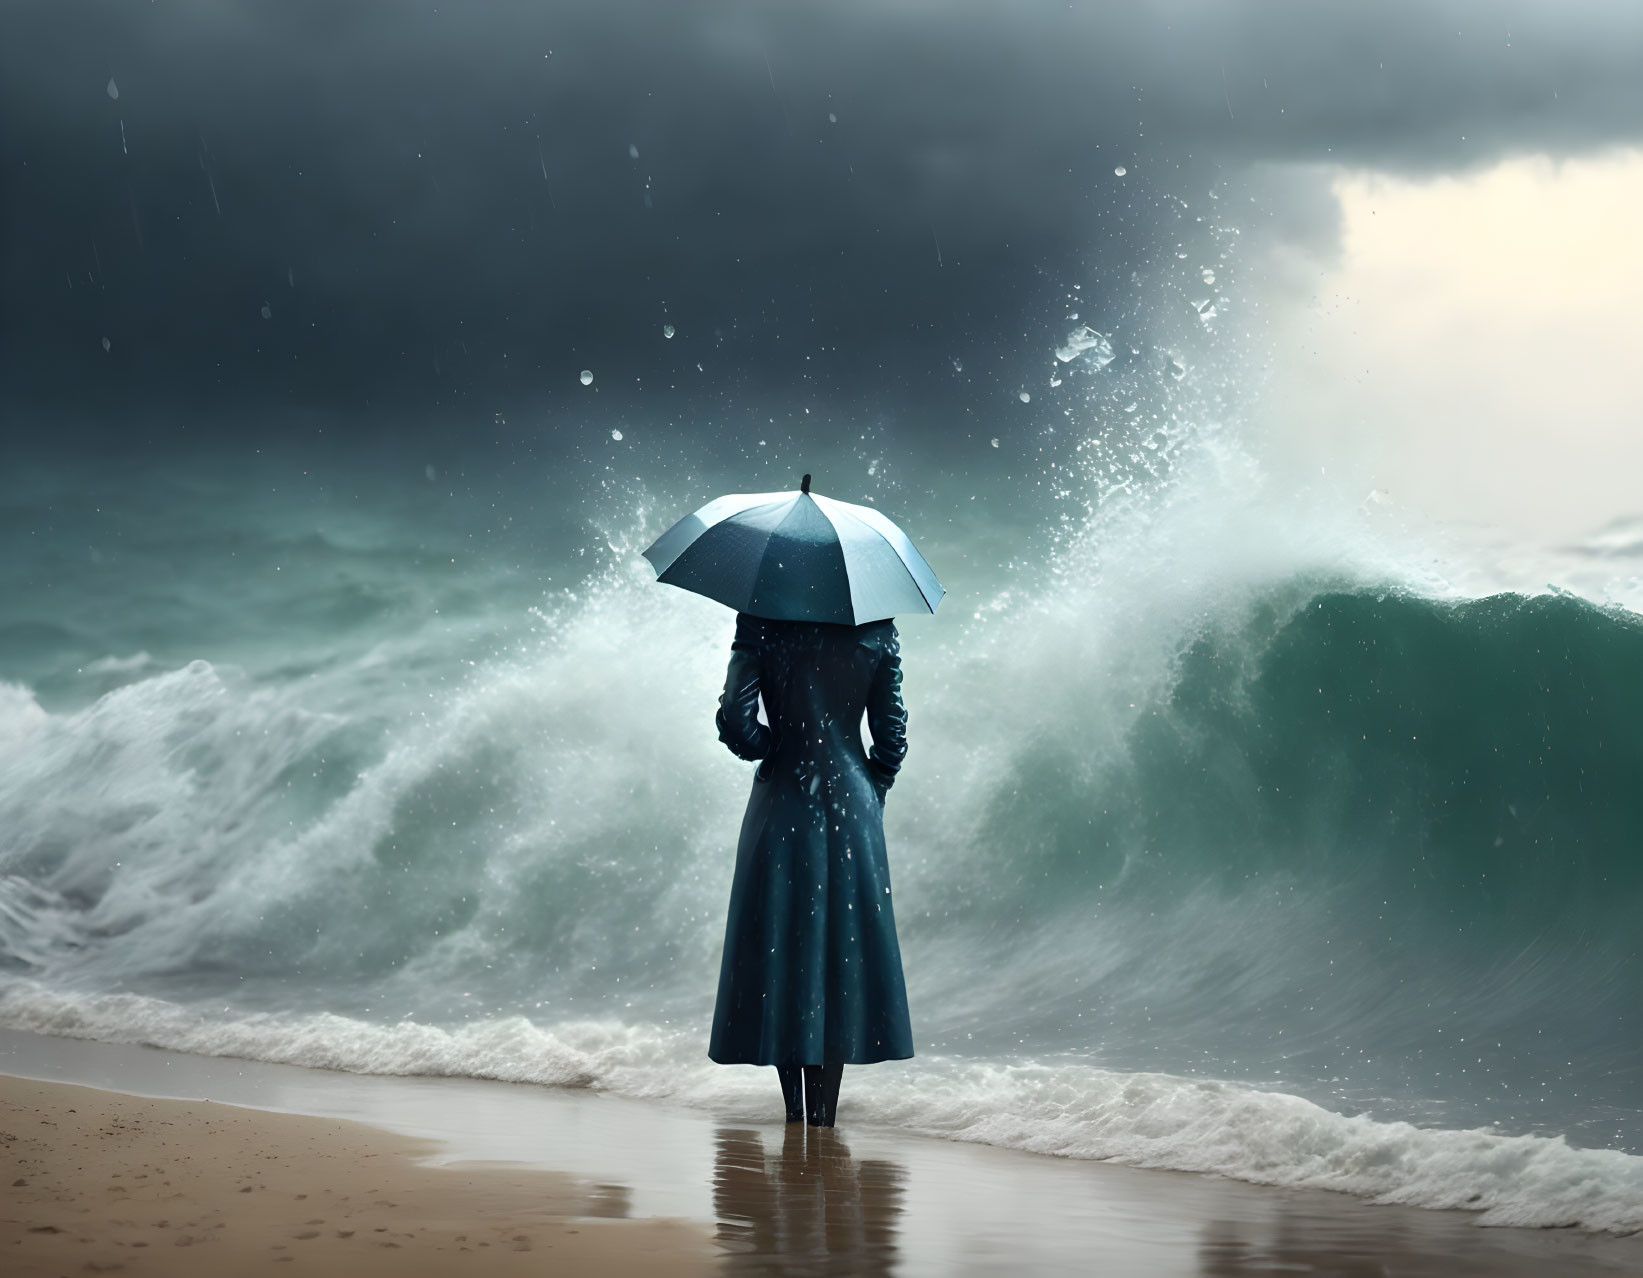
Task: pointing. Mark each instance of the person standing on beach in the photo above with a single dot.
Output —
(811, 976)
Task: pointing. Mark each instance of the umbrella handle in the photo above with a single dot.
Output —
(804, 485)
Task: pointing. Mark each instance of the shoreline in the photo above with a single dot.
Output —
(595, 1181)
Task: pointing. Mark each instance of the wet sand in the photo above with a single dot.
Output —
(266, 1168)
(102, 1182)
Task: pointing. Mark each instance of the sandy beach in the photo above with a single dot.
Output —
(126, 1159)
(102, 1182)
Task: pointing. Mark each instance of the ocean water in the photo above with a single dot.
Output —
(1241, 831)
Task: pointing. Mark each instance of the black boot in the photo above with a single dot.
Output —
(821, 1093)
(792, 1091)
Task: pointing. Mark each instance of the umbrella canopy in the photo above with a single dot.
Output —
(796, 556)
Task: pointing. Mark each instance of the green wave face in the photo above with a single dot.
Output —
(1377, 848)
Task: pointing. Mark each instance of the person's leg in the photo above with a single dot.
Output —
(821, 1093)
(792, 1091)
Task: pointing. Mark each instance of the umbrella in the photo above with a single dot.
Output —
(796, 556)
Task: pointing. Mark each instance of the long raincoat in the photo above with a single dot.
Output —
(811, 973)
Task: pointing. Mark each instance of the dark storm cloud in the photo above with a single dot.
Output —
(433, 198)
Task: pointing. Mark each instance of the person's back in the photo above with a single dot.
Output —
(811, 972)
(817, 680)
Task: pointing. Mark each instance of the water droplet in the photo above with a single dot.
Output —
(1176, 369)
(831, 118)
(633, 151)
(1082, 339)
(616, 434)
(958, 365)
(1209, 275)
(1131, 406)
(107, 345)
(113, 89)
(995, 443)
(430, 472)
(587, 377)
(1055, 381)
(1025, 398)
(267, 311)
(1120, 171)
(667, 330)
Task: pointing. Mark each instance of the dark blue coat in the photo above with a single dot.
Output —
(811, 973)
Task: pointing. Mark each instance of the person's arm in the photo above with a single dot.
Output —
(738, 717)
(886, 719)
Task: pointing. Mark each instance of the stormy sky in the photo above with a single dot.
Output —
(396, 210)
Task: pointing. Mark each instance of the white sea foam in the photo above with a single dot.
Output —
(1072, 1111)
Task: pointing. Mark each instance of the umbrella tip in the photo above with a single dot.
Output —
(804, 484)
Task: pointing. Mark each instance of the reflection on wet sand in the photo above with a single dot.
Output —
(1231, 1249)
(1309, 1236)
(809, 1208)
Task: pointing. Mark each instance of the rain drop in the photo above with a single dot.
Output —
(616, 434)
(995, 443)
(633, 151)
(667, 330)
(113, 89)
(267, 311)
(1055, 381)
(1120, 171)
(831, 118)
(107, 345)
(587, 377)
(1025, 398)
